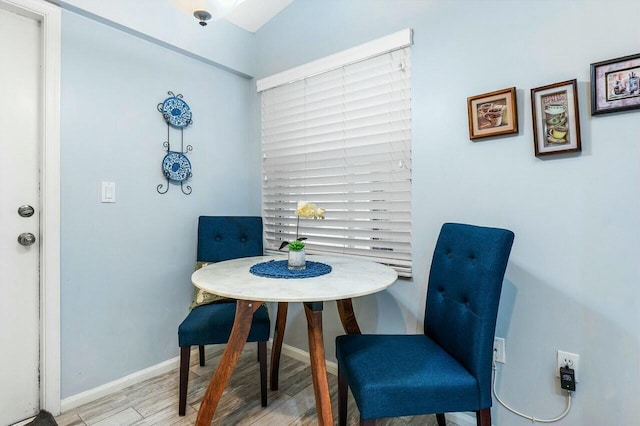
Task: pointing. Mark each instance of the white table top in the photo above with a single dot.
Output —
(348, 278)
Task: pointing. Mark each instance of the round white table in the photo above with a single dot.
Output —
(348, 278)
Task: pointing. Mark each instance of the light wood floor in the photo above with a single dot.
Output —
(155, 401)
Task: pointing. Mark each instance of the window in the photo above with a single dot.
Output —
(341, 138)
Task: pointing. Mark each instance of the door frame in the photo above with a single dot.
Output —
(49, 16)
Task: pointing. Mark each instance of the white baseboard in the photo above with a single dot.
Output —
(461, 419)
(117, 385)
(24, 422)
(303, 356)
(161, 368)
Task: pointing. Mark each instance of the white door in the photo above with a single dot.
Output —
(20, 118)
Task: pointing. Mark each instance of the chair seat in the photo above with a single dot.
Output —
(211, 324)
(403, 375)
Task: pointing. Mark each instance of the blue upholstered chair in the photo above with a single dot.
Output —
(223, 238)
(448, 368)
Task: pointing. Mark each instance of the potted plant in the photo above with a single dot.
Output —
(297, 259)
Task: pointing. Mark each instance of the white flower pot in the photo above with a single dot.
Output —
(297, 260)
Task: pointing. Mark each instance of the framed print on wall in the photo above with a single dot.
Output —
(615, 85)
(556, 120)
(493, 114)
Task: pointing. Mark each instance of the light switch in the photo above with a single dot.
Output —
(108, 192)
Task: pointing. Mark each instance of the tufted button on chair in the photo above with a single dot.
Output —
(448, 368)
(222, 238)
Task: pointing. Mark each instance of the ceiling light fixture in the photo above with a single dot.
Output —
(205, 10)
(203, 16)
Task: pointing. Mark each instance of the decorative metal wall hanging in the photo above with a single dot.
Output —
(175, 164)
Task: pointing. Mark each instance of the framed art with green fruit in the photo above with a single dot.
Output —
(556, 119)
(493, 114)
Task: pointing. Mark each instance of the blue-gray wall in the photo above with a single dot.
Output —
(572, 282)
(172, 24)
(125, 266)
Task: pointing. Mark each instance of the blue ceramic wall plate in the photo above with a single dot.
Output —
(176, 112)
(176, 166)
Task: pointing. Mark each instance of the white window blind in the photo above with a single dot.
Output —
(342, 140)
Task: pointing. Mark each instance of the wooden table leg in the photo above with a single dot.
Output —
(239, 334)
(313, 311)
(347, 316)
(276, 348)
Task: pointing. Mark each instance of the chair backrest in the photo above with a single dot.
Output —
(229, 237)
(465, 282)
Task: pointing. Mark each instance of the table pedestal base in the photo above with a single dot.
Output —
(239, 333)
(276, 348)
(313, 310)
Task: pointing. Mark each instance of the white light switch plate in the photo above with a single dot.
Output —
(108, 192)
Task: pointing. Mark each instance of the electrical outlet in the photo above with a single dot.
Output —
(499, 351)
(570, 359)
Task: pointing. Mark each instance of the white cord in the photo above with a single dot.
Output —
(533, 419)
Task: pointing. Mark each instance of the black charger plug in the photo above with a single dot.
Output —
(567, 378)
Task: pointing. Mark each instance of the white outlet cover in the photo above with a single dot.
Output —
(573, 361)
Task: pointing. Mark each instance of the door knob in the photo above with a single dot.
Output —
(26, 211)
(26, 238)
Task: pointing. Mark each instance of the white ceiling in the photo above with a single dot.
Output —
(251, 15)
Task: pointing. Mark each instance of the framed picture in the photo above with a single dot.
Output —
(615, 85)
(556, 121)
(493, 114)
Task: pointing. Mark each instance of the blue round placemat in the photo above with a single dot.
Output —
(279, 269)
